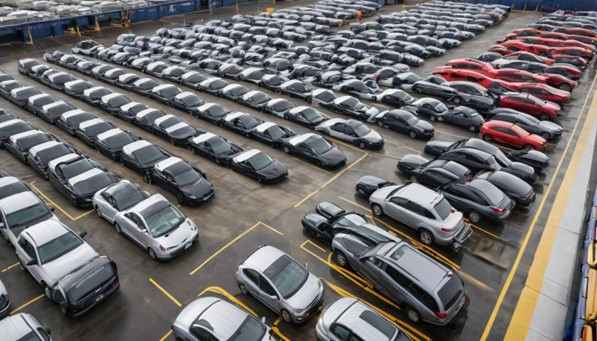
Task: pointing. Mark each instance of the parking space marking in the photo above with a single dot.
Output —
(12, 266)
(54, 204)
(410, 330)
(165, 292)
(327, 183)
(26, 304)
(232, 242)
(524, 244)
(443, 132)
(481, 229)
(166, 336)
(429, 250)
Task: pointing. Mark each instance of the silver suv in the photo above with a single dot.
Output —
(428, 290)
(281, 284)
(425, 211)
(23, 326)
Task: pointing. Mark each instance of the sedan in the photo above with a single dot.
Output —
(129, 111)
(404, 122)
(144, 86)
(278, 107)
(20, 96)
(41, 155)
(70, 120)
(158, 227)
(365, 90)
(214, 147)
(241, 122)
(19, 144)
(213, 85)
(142, 155)
(89, 130)
(546, 129)
(530, 104)
(187, 101)
(511, 135)
(165, 93)
(117, 198)
(37, 102)
(473, 95)
(147, 117)
(212, 112)
(306, 116)
(111, 142)
(187, 183)
(395, 98)
(259, 166)
(297, 88)
(271, 133)
(352, 131)
(478, 199)
(174, 129)
(351, 106)
(255, 99)
(77, 88)
(12, 127)
(430, 107)
(280, 283)
(51, 112)
(79, 187)
(113, 102)
(315, 149)
(94, 95)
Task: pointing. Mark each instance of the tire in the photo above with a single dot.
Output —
(473, 129)
(180, 198)
(425, 236)
(285, 316)
(412, 134)
(340, 258)
(412, 314)
(152, 254)
(432, 118)
(243, 289)
(377, 210)
(147, 178)
(474, 217)
(97, 211)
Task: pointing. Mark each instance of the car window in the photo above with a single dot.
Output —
(287, 275)
(252, 275)
(443, 208)
(423, 296)
(266, 287)
(341, 332)
(28, 248)
(202, 334)
(399, 278)
(58, 247)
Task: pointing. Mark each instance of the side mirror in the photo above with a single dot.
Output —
(82, 234)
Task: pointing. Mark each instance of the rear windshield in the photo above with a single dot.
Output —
(443, 208)
(90, 282)
(450, 292)
(14, 188)
(53, 153)
(493, 194)
(379, 323)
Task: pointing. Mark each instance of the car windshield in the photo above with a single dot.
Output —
(93, 184)
(492, 193)
(286, 275)
(58, 247)
(119, 140)
(75, 168)
(55, 152)
(250, 330)
(319, 145)
(128, 197)
(149, 155)
(361, 130)
(119, 101)
(326, 96)
(99, 128)
(443, 208)
(90, 281)
(100, 93)
(185, 174)
(281, 106)
(163, 221)
(192, 100)
(13, 188)
(276, 132)
(311, 114)
(24, 217)
(519, 131)
(26, 143)
(260, 161)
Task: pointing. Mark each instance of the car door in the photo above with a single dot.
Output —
(397, 209)
(510, 137)
(28, 257)
(130, 226)
(373, 269)
(246, 168)
(106, 206)
(340, 130)
(268, 295)
(400, 124)
(306, 152)
(458, 196)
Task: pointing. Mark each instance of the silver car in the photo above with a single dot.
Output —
(352, 131)
(212, 318)
(351, 319)
(158, 227)
(117, 198)
(4, 301)
(20, 211)
(51, 250)
(280, 283)
(426, 289)
(23, 326)
(423, 210)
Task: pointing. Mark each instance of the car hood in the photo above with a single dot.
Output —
(334, 156)
(522, 169)
(180, 235)
(198, 189)
(437, 148)
(423, 125)
(307, 294)
(411, 161)
(69, 262)
(550, 126)
(381, 194)
(373, 136)
(274, 170)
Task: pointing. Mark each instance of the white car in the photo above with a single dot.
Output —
(158, 227)
(117, 198)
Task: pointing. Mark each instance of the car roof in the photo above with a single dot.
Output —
(18, 201)
(47, 231)
(14, 327)
(417, 193)
(143, 205)
(134, 146)
(352, 317)
(7, 180)
(109, 133)
(203, 137)
(64, 158)
(265, 126)
(427, 271)
(244, 156)
(263, 257)
(14, 138)
(91, 122)
(34, 150)
(300, 138)
(85, 176)
(162, 165)
(222, 318)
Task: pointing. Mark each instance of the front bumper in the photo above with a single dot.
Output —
(173, 253)
(461, 237)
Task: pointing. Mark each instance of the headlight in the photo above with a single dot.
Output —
(162, 248)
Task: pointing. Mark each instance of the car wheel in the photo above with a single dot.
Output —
(286, 316)
(152, 254)
(412, 134)
(340, 258)
(243, 289)
(147, 178)
(97, 211)
(412, 314)
(432, 118)
(380, 124)
(473, 128)
(377, 210)
(474, 217)
(180, 198)
(425, 237)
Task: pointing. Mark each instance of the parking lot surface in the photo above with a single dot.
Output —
(246, 214)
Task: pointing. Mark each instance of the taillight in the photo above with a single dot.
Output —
(445, 229)
(498, 209)
(441, 314)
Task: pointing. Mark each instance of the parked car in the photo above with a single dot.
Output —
(214, 147)
(40, 155)
(189, 184)
(19, 144)
(546, 129)
(315, 149)
(111, 142)
(259, 166)
(24, 324)
(404, 122)
(142, 155)
(174, 129)
(511, 135)
(352, 131)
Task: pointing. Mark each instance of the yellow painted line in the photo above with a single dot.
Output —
(165, 292)
(525, 308)
(327, 183)
(277, 321)
(166, 336)
(355, 204)
(481, 229)
(54, 204)
(26, 304)
(271, 228)
(410, 330)
(318, 246)
(10, 267)
(531, 228)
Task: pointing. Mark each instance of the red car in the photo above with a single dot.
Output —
(576, 30)
(555, 42)
(517, 45)
(541, 90)
(531, 57)
(530, 104)
(470, 64)
(498, 48)
(573, 51)
(576, 61)
(511, 135)
(515, 75)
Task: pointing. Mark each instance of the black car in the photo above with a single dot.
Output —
(144, 86)
(212, 112)
(214, 147)
(315, 149)
(323, 97)
(306, 116)
(24, 65)
(272, 82)
(89, 130)
(113, 102)
(51, 112)
(70, 120)
(187, 183)
(514, 187)
(192, 79)
(85, 67)
(127, 80)
(430, 107)
(465, 117)
(173, 73)
(142, 155)
(229, 70)
(213, 85)
(21, 95)
(395, 98)
(368, 184)
(352, 106)
(234, 91)
(37, 102)
(12, 127)
(241, 122)
(165, 93)
(472, 95)
(78, 180)
(6, 116)
(58, 79)
(94, 95)
(330, 219)
(145, 118)
(19, 144)
(174, 129)
(111, 142)
(252, 74)
(404, 122)
(129, 111)
(297, 88)
(187, 101)
(259, 166)
(7, 86)
(546, 129)
(255, 99)
(77, 88)
(271, 133)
